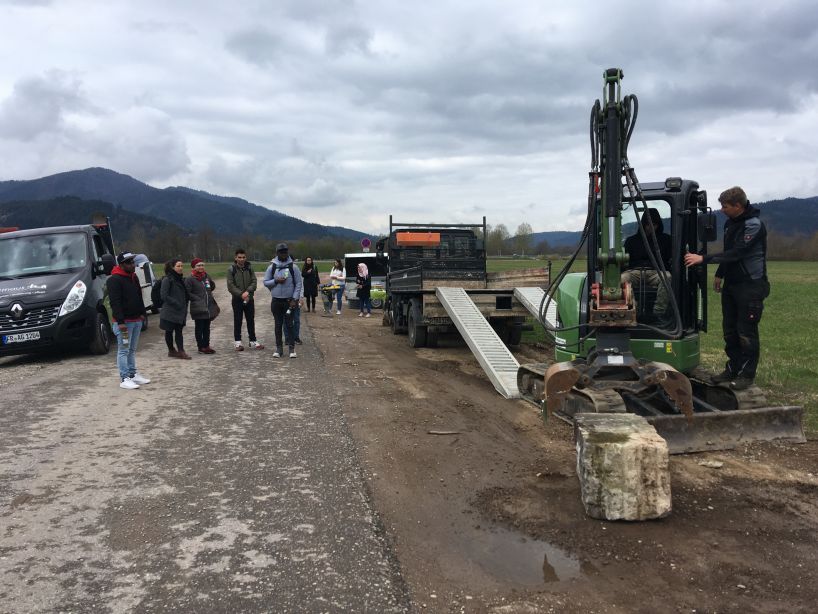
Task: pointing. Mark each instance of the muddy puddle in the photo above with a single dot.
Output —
(506, 556)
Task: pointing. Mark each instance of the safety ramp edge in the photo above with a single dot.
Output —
(492, 354)
(531, 298)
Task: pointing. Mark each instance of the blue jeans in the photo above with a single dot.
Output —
(125, 354)
(366, 305)
(340, 295)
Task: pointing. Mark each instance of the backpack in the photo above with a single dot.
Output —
(156, 294)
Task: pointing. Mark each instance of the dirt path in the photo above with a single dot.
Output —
(487, 517)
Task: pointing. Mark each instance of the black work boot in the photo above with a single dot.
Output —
(742, 382)
(723, 377)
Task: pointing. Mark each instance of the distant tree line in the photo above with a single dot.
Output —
(206, 244)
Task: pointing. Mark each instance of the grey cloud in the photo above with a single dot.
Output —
(38, 105)
(256, 45)
(347, 38)
(321, 193)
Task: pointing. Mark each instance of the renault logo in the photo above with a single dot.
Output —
(17, 311)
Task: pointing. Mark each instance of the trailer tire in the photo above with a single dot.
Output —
(431, 338)
(515, 334)
(417, 331)
(101, 341)
(397, 329)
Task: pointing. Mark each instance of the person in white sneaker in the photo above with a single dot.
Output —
(338, 277)
(364, 283)
(127, 314)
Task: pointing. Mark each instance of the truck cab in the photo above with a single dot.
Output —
(52, 289)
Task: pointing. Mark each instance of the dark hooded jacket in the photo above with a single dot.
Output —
(174, 299)
(125, 296)
(745, 249)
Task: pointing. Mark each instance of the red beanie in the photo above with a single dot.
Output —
(194, 262)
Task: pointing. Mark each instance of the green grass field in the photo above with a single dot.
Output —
(788, 371)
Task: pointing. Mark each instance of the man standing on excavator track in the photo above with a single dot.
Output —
(742, 281)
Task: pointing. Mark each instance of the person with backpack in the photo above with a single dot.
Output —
(283, 279)
(242, 284)
(203, 307)
(172, 303)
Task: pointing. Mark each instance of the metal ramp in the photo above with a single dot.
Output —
(531, 299)
(492, 354)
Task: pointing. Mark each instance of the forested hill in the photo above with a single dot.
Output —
(71, 211)
(192, 210)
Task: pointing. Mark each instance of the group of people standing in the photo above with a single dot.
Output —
(180, 295)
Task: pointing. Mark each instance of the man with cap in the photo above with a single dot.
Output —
(283, 279)
(127, 315)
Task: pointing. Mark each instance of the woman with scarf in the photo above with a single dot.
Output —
(364, 282)
(203, 307)
(338, 277)
(173, 313)
(309, 275)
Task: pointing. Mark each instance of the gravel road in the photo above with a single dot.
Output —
(228, 484)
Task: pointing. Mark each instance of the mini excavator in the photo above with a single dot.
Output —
(614, 351)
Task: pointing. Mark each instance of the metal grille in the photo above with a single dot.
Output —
(32, 318)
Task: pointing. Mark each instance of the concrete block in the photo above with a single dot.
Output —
(622, 465)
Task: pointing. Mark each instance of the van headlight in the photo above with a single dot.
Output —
(74, 299)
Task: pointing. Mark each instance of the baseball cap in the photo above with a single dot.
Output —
(282, 247)
(124, 256)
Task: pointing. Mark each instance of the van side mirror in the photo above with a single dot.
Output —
(707, 227)
(106, 264)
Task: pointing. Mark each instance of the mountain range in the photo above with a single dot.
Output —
(68, 198)
(189, 209)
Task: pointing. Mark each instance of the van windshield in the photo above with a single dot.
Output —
(42, 254)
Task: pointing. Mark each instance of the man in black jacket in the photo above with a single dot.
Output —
(127, 314)
(742, 281)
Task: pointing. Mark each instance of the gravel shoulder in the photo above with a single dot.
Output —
(481, 499)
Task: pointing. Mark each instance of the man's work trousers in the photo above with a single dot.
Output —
(279, 307)
(641, 279)
(741, 307)
(244, 310)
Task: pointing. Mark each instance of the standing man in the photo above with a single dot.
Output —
(742, 281)
(241, 283)
(127, 315)
(283, 279)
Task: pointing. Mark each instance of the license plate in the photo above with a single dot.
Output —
(20, 337)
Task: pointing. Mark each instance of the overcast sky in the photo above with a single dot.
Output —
(342, 112)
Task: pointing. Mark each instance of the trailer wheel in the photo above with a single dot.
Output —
(515, 334)
(431, 338)
(395, 319)
(417, 332)
(377, 303)
(101, 342)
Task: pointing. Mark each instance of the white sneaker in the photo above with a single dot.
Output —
(369, 315)
(276, 354)
(256, 345)
(361, 315)
(128, 384)
(338, 312)
(293, 354)
(140, 379)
